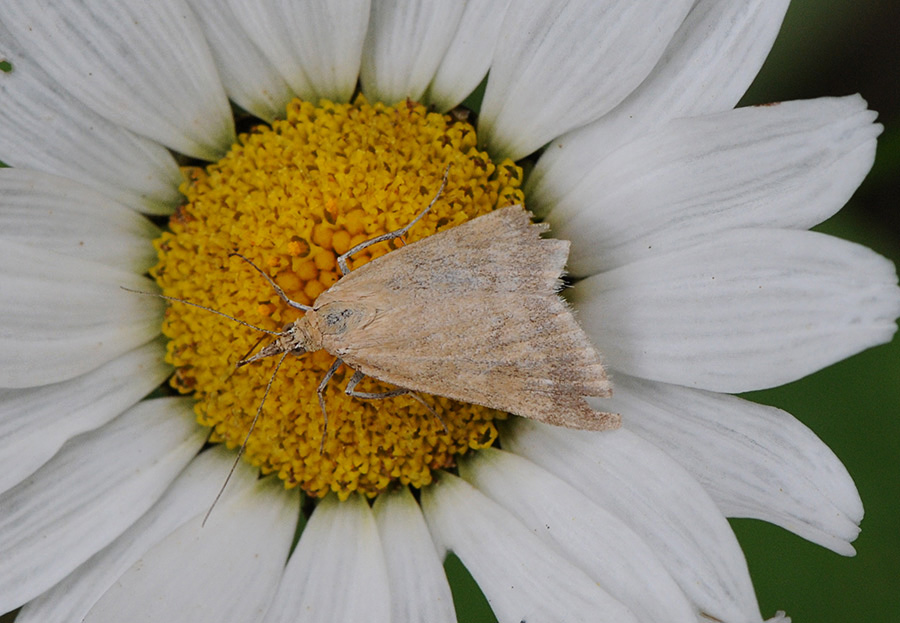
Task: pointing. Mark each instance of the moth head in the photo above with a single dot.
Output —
(294, 338)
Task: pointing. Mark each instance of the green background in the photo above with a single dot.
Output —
(829, 47)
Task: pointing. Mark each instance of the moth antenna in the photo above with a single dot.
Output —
(284, 297)
(397, 233)
(417, 397)
(209, 309)
(246, 439)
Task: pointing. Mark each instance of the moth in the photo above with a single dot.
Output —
(472, 313)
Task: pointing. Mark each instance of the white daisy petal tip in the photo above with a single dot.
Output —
(808, 156)
(754, 460)
(746, 309)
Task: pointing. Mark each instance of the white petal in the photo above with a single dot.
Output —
(315, 45)
(596, 541)
(523, 578)
(418, 587)
(337, 573)
(747, 309)
(792, 165)
(656, 498)
(225, 570)
(560, 65)
(67, 316)
(250, 80)
(468, 58)
(404, 47)
(755, 461)
(45, 128)
(89, 493)
(143, 65)
(50, 212)
(188, 498)
(36, 422)
(710, 62)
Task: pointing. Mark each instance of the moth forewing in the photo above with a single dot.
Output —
(499, 252)
(471, 313)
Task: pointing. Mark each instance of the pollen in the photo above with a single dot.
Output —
(292, 197)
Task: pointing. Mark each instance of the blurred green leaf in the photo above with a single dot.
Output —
(470, 603)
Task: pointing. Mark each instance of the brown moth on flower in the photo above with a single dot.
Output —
(471, 313)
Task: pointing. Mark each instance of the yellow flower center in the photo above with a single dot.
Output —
(292, 198)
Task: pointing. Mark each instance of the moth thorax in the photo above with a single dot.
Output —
(338, 317)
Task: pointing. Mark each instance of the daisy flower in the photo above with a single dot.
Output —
(150, 140)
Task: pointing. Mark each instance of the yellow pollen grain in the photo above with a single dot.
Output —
(291, 198)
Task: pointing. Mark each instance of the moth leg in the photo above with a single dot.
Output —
(284, 297)
(397, 233)
(358, 376)
(400, 391)
(320, 392)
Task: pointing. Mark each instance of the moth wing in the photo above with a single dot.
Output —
(499, 252)
(521, 354)
(471, 313)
